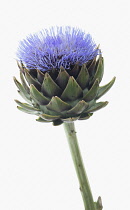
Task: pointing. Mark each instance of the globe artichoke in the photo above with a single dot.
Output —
(69, 89)
(60, 72)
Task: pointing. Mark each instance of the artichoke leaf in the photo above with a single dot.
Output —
(72, 91)
(21, 66)
(62, 78)
(41, 120)
(40, 76)
(103, 89)
(83, 77)
(37, 96)
(85, 116)
(24, 84)
(99, 71)
(91, 94)
(56, 104)
(78, 108)
(91, 68)
(97, 106)
(75, 70)
(28, 111)
(31, 80)
(49, 117)
(22, 90)
(49, 87)
(27, 106)
(24, 97)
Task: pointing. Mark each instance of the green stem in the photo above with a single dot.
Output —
(78, 163)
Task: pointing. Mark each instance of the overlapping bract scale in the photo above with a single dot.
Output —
(65, 95)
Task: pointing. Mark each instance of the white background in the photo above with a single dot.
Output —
(36, 170)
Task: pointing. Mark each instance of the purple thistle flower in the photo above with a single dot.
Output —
(60, 46)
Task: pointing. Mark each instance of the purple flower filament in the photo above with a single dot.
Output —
(60, 46)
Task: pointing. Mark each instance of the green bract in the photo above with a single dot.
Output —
(65, 95)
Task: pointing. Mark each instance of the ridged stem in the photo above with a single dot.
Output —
(79, 166)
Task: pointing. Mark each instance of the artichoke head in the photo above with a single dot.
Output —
(63, 95)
